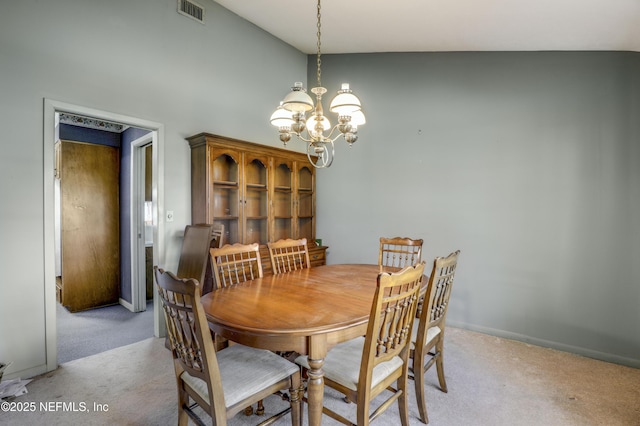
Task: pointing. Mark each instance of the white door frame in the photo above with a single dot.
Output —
(51, 107)
(137, 229)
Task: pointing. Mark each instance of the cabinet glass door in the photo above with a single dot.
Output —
(256, 201)
(305, 208)
(225, 199)
(283, 201)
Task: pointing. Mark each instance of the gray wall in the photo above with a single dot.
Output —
(527, 162)
(138, 58)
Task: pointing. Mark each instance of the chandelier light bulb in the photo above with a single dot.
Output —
(317, 124)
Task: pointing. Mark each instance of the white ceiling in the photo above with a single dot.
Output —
(359, 26)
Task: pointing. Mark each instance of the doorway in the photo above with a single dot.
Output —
(52, 109)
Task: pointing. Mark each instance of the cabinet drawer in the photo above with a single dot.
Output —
(317, 256)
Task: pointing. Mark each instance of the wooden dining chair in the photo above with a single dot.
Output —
(222, 383)
(217, 235)
(194, 255)
(427, 340)
(364, 367)
(397, 253)
(233, 264)
(236, 263)
(288, 255)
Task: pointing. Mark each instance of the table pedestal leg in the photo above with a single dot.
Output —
(315, 391)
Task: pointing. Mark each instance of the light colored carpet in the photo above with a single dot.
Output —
(86, 333)
(492, 381)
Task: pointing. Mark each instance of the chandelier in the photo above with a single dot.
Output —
(290, 117)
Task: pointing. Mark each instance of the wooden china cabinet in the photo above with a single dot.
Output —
(258, 193)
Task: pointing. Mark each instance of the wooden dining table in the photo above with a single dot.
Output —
(307, 311)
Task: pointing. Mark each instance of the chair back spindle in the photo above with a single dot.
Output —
(288, 255)
(236, 263)
(397, 253)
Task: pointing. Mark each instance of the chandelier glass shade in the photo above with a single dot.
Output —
(291, 118)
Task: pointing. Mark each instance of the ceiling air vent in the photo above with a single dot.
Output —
(191, 9)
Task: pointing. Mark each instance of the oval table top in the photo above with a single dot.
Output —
(299, 303)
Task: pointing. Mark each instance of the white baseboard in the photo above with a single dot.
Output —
(126, 304)
(616, 359)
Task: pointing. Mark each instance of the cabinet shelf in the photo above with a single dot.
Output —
(224, 183)
(283, 188)
(257, 186)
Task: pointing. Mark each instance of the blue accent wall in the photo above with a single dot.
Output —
(82, 134)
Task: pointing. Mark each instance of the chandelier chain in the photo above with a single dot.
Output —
(319, 35)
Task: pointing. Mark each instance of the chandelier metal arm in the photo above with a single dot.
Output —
(320, 154)
(322, 138)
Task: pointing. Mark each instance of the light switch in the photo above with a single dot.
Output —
(169, 215)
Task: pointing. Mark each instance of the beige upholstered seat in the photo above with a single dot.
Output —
(288, 255)
(427, 342)
(364, 367)
(397, 253)
(233, 264)
(222, 383)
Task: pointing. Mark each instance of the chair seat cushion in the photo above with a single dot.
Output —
(342, 364)
(244, 372)
(432, 332)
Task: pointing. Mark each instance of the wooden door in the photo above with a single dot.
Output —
(89, 196)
